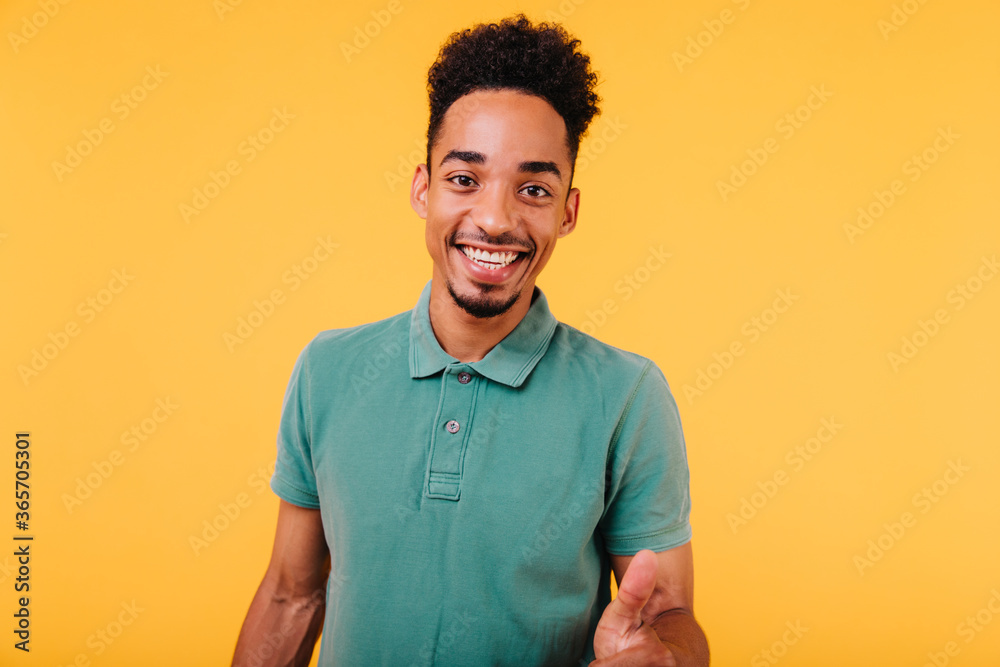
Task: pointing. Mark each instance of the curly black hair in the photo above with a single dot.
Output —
(540, 60)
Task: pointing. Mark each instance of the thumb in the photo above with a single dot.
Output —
(624, 612)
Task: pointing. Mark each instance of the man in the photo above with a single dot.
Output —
(458, 481)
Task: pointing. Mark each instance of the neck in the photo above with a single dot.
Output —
(469, 338)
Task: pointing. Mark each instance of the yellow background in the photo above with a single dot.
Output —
(671, 130)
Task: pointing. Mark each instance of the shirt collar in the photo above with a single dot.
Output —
(509, 362)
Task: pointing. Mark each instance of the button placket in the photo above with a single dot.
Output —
(451, 433)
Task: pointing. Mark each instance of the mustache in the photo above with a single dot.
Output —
(486, 239)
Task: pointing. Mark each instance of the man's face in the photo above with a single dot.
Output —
(498, 199)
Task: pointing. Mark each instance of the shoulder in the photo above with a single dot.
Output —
(583, 353)
(605, 379)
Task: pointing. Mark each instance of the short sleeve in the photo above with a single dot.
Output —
(294, 479)
(648, 501)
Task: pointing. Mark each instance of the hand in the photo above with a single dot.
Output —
(621, 638)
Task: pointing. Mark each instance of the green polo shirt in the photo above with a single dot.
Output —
(470, 507)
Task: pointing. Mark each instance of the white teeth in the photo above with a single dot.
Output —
(493, 261)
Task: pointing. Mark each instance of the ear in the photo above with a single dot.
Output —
(418, 190)
(570, 211)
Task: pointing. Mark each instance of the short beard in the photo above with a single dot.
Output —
(482, 306)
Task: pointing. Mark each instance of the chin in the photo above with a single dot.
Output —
(485, 303)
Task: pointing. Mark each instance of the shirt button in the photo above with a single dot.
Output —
(464, 377)
(452, 426)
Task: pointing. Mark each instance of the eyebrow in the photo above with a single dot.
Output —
(532, 167)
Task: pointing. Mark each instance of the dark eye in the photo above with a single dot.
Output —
(465, 181)
(539, 191)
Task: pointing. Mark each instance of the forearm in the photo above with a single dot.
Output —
(280, 629)
(683, 636)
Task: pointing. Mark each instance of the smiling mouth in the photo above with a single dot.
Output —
(490, 260)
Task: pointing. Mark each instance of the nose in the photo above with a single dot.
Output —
(494, 212)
